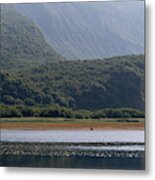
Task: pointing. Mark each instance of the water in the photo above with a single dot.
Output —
(134, 140)
(105, 148)
(74, 162)
(72, 136)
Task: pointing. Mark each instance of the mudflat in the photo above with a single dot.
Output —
(60, 124)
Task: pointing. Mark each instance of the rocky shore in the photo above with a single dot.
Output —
(68, 149)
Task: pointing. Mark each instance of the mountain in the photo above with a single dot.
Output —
(90, 30)
(75, 30)
(22, 43)
(117, 82)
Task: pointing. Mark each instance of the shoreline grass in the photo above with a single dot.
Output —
(69, 120)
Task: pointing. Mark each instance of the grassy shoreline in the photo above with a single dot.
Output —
(39, 123)
(61, 119)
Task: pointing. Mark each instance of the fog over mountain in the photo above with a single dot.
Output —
(90, 30)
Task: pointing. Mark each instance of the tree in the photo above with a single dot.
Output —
(29, 102)
(7, 99)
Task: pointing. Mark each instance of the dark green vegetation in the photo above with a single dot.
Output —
(22, 43)
(90, 30)
(109, 83)
(56, 111)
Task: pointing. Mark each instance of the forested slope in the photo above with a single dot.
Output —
(22, 43)
(114, 82)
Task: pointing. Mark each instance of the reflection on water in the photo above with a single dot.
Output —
(73, 162)
(114, 148)
(72, 136)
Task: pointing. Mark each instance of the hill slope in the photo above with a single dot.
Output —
(90, 30)
(96, 84)
(22, 43)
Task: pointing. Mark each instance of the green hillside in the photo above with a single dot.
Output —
(33, 75)
(108, 83)
(22, 43)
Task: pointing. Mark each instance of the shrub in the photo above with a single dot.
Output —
(29, 102)
(27, 111)
(7, 99)
(9, 112)
(57, 111)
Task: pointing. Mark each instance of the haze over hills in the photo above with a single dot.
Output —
(90, 30)
(22, 43)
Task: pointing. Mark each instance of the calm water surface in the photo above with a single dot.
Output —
(74, 162)
(72, 135)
